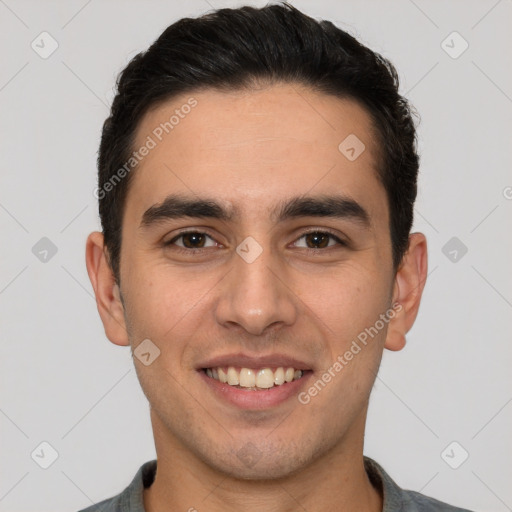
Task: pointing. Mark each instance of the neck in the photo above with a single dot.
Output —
(334, 482)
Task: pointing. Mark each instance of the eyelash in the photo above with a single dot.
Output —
(305, 233)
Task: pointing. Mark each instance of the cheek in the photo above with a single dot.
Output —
(349, 311)
(166, 305)
(346, 303)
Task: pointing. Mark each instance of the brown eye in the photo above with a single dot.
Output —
(191, 240)
(319, 240)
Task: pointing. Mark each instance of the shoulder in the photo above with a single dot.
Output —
(108, 505)
(415, 502)
(396, 499)
(131, 498)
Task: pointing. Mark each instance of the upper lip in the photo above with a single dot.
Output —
(247, 361)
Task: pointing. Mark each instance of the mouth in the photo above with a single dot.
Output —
(254, 379)
(254, 383)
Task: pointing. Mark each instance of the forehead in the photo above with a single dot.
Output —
(250, 148)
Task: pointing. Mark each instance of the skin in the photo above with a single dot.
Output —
(250, 150)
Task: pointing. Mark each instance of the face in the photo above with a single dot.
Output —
(242, 272)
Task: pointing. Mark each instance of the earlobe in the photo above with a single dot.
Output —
(409, 283)
(395, 337)
(106, 290)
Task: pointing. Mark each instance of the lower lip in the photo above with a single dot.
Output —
(250, 399)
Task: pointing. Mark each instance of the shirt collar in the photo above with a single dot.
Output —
(391, 493)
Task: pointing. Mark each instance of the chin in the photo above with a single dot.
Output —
(257, 462)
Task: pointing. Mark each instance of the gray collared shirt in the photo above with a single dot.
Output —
(395, 498)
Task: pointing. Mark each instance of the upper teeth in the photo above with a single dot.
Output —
(250, 378)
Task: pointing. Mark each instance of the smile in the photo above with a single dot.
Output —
(254, 379)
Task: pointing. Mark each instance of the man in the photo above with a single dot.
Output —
(257, 177)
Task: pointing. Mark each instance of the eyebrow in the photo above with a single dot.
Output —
(177, 206)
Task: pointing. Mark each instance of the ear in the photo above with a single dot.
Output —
(106, 290)
(409, 283)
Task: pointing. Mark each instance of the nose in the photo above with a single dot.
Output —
(257, 295)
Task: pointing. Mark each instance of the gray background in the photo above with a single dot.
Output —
(64, 383)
